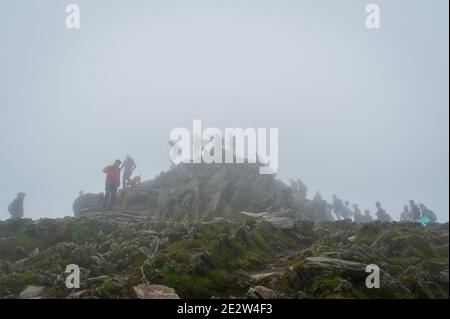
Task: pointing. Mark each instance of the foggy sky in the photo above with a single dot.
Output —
(361, 113)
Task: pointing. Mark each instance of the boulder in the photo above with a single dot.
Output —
(32, 292)
(87, 203)
(146, 291)
(265, 275)
(315, 265)
(261, 292)
(319, 267)
(77, 295)
(283, 223)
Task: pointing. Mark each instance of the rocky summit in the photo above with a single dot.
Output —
(194, 192)
(200, 231)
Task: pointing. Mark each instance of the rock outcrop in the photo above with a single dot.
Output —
(260, 292)
(204, 191)
(284, 223)
(32, 292)
(146, 291)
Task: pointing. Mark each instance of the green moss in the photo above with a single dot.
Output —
(368, 233)
(110, 289)
(215, 259)
(16, 283)
(178, 265)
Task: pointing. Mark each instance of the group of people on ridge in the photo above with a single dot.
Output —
(419, 213)
(412, 213)
(341, 209)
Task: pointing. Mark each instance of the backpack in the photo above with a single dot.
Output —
(430, 215)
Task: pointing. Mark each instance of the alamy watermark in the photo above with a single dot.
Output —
(373, 279)
(73, 16)
(73, 279)
(235, 145)
(72, 20)
(373, 16)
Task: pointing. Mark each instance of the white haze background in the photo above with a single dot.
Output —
(361, 113)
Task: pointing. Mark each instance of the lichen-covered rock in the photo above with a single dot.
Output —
(283, 223)
(32, 292)
(145, 291)
(260, 292)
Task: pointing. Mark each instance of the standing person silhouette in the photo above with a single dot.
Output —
(16, 207)
(112, 183)
(128, 166)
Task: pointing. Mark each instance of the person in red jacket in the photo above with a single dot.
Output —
(112, 183)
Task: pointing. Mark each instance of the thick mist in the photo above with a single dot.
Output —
(361, 113)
